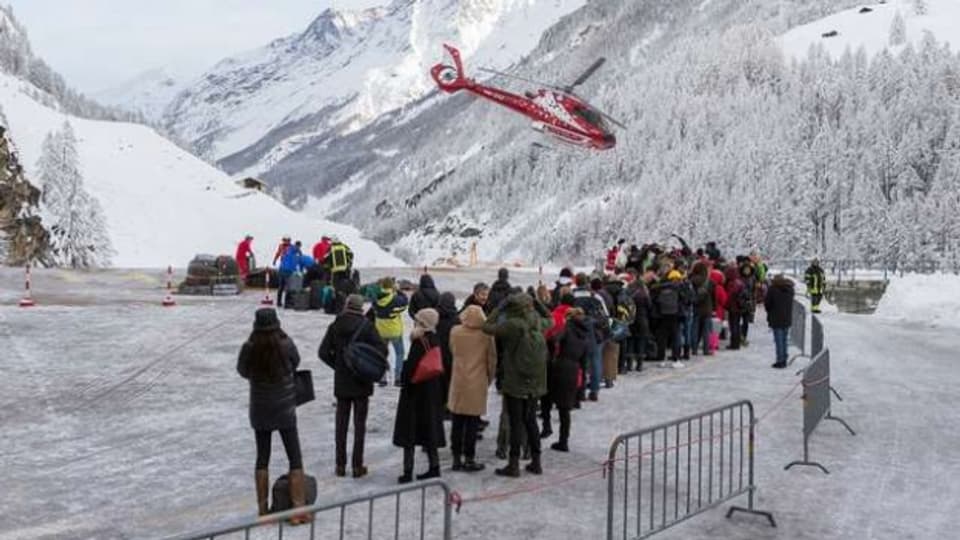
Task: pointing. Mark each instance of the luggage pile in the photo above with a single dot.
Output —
(212, 275)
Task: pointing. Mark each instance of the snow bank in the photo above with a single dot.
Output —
(162, 204)
(872, 29)
(930, 299)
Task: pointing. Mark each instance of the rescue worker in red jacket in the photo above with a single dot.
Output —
(245, 256)
(321, 248)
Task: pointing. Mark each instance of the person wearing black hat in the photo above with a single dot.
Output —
(269, 359)
(351, 393)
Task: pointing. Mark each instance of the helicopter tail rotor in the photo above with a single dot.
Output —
(450, 78)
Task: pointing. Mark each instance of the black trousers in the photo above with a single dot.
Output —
(564, 425)
(360, 407)
(523, 419)
(291, 443)
(667, 337)
(463, 435)
(736, 328)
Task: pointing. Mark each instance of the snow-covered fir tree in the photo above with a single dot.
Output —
(898, 30)
(77, 224)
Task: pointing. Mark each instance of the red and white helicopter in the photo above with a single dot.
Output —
(555, 110)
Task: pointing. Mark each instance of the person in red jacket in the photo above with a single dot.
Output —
(720, 293)
(321, 249)
(245, 256)
(281, 249)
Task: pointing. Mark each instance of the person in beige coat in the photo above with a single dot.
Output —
(474, 368)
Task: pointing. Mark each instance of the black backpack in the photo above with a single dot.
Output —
(281, 493)
(366, 362)
(592, 307)
(668, 301)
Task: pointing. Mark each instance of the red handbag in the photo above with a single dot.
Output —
(430, 366)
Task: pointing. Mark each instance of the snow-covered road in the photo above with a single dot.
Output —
(124, 420)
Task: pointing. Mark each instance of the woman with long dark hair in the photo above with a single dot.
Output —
(269, 360)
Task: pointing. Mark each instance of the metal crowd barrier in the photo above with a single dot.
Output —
(816, 336)
(798, 330)
(816, 404)
(357, 517)
(671, 472)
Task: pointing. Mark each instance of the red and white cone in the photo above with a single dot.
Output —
(27, 300)
(267, 300)
(168, 300)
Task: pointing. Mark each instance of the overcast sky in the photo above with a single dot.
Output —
(98, 44)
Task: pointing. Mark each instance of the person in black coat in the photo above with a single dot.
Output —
(779, 306)
(638, 343)
(351, 392)
(427, 296)
(500, 290)
(269, 359)
(449, 317)
(572, 355)
(419, 419)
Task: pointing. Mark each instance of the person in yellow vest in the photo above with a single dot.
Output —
(816, 281)
(338, 263)
(388, 312)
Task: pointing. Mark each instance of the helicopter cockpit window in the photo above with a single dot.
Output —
(591, 117)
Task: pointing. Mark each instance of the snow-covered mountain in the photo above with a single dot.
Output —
(727, 139)
(343, 72)
(163, 205)
(869, 26)
(148, 93)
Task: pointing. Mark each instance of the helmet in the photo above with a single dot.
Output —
(286, 238)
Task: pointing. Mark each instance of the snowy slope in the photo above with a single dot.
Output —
(163, 205)
(148, 93)
(344, 71)
(871, 30)
(925, 299)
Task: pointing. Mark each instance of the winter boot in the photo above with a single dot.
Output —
(407, 476)
(471, 466)
(560, 446)
(534, 466)
(686, 352)
(547, 429)
(297, 496)
(593, 396)
(360, 472)
(432, 472)
(512, 470)
(457, 463)
(341, 471)
(262, 478)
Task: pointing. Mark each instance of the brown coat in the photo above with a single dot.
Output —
(474, 364)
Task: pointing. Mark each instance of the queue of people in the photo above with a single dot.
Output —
(541, 348)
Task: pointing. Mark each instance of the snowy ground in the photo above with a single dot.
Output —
(125, 420)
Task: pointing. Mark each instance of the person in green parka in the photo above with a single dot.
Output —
(520, 324)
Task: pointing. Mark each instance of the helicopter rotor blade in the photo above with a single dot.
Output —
(587, 74)
(519, 78)
(612, 120)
